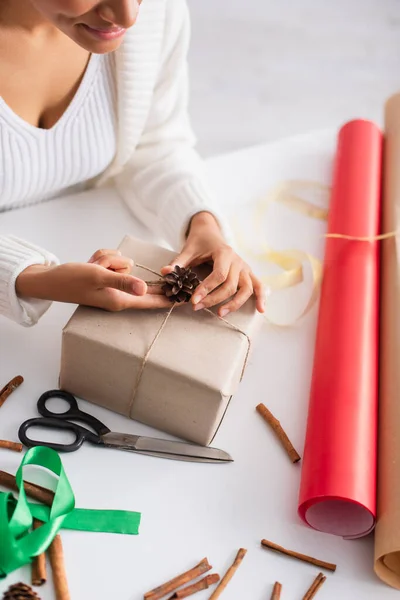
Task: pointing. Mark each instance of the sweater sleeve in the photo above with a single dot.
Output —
(164, 183)
(15, 256)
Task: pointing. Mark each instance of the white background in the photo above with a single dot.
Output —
(263, 69)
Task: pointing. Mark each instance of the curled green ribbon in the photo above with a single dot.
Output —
(19, 544)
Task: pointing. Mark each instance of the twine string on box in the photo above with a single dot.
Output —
(161, 329)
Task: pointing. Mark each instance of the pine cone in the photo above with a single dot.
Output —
(180, 284)
(20, 591)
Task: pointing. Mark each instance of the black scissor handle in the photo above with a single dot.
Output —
(81, 434)
(72, 413)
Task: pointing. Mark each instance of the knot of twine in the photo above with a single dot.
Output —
(161, 328)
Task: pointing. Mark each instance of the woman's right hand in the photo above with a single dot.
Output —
(103, 282)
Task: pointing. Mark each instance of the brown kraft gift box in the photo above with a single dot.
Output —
(191, 372)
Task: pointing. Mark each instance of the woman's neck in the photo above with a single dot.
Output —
(21, 14)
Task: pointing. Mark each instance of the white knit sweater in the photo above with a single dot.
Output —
(156, 169)
(40, 164)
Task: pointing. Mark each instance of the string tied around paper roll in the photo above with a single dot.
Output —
(356, 238)
(162, 327)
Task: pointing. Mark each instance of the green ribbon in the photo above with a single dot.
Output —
(19, 544)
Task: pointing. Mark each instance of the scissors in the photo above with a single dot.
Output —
(103, 436)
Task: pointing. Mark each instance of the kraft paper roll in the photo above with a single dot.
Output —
(387, 535)
(338, 481)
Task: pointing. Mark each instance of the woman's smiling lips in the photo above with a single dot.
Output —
(105, 33)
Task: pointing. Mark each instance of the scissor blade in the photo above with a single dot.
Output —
(165, 448)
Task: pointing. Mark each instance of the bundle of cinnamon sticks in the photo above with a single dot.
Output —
(175, 585)
(172, 585)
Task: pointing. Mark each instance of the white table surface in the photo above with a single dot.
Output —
(192, 510)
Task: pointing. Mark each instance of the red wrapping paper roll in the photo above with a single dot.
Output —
(338, 481)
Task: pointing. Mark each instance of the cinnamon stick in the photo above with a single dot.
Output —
(309, 559)
(229, 574)
(276, 592)
(38, 572)
(36, 492)
(173, 584)
(316, 585)
(14, 446)
(9, 388)
(189, 590)
(56, 556)
(279, 432)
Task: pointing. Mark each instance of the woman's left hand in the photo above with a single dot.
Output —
(231, 277)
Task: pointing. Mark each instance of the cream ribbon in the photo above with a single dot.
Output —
(288, 194)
